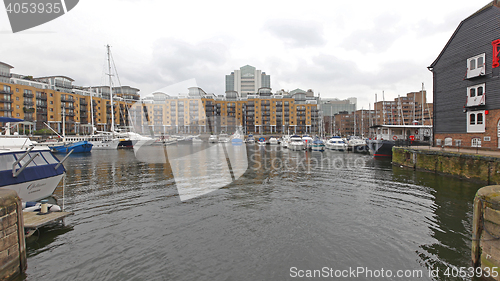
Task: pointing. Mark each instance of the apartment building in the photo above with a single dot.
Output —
(47, 101)
(198, 112)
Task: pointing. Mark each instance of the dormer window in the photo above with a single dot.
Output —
(476, 95)
(476, 66)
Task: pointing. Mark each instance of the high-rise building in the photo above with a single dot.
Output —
(244, 81)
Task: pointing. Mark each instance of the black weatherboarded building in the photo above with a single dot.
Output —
(467, 83)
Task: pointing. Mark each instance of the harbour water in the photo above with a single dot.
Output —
(291, 213)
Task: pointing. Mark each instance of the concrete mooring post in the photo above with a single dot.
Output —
(486, 230)
(12, 243)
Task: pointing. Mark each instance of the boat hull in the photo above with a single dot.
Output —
(380, 148)
(111, 144)
(37, 189)
(77, 147)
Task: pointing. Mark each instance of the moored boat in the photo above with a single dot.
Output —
(213, 139)
(296, 143)
(76, 147)
(250, 139)
(32, 171)
(273, 141)
(223, 138)
(336, 143)
(317, 145)
(307, 140)
(357, 144)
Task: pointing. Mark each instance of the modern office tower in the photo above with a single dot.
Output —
(244, 81)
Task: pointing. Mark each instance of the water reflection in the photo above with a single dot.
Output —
(288, 209)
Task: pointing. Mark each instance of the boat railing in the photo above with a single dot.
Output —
(15, 172)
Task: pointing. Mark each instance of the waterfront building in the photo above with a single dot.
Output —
(404, 110)
(467, 85)
(45, 100)
(197, 112)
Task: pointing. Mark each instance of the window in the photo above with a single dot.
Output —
(475, 142)
(476, 95)
(476, 66)
(479, 120)
(476, 122)
(472, 92)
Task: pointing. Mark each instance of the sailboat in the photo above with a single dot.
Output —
(66, 146)
(126, 138)
(99, 139)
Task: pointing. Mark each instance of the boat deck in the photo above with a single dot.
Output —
(34, 221)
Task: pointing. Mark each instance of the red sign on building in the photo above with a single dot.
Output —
(495, 45)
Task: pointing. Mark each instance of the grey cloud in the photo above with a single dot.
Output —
(297, 33)
(378, 38)
(174, 61)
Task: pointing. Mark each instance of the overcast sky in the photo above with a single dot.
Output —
(339, 49)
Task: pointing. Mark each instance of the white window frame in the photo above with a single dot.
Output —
(475, 142)
(479, 69)
(476, 100)
(478, 125)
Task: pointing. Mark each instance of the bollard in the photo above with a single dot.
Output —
(486, 230)
(45, 206)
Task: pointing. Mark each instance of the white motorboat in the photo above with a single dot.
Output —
(284, 141)
(101, 140)
(197, 139)
(296, 143)
(357, 144)
(307, 140)
(250, 139)
(273, 141)
(213, 139)
(336, 143)
(223, 138)
(32, 171)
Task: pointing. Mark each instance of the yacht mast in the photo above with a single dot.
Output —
(91, 111)
(422, 104)
(111, 92)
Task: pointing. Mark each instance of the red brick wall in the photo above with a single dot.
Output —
(491, 131)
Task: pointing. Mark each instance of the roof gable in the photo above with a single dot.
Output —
(493, 4)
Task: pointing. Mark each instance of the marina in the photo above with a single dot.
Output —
(242, 172)
(284, 209)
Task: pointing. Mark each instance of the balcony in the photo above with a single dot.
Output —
(28, 95)
(5, 109)
(41, 96)
(6, 92)
(67, 99)
(6, 100)
(28, 103)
